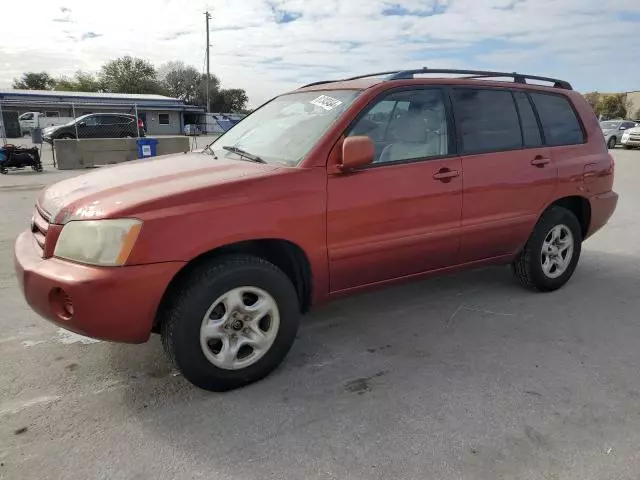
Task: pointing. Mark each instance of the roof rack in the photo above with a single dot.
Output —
(476, 74)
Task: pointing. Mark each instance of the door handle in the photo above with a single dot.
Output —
(540, 161)
(446, 174)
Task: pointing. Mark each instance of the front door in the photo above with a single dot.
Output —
(509, 175)
(400, 215)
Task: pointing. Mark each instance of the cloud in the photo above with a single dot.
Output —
(89, 35)
(270, 46)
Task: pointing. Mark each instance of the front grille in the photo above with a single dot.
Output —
(40, 227)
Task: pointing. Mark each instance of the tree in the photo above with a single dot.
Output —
(229, 100)
(35, 81)
(613, 106)
(592, 99)
(81, 82)
(130, 75)
(181, 81)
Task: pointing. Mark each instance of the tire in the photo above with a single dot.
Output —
(198, 298)
(611, 144)
(528, 267)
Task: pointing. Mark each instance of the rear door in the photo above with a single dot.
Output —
(400, 215)
(509, 175)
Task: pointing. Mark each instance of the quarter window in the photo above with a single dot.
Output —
(406, 125)
(559, 121)
(486, 120)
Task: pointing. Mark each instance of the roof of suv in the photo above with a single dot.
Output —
(362, 82)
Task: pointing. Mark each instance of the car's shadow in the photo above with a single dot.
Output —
(391, 358)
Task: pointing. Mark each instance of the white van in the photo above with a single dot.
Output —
(29, 120)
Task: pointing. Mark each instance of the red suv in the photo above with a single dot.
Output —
(333, 188)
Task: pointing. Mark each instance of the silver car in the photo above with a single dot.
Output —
(613, 130)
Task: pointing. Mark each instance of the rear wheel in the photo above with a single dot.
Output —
(612, 142)
(551, 254)
(231, 322)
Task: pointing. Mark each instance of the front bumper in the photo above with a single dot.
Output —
(109, 303)
(631, 141)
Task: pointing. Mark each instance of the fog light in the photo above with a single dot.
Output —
(61, 304)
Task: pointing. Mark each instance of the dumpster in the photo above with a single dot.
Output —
(147, 147)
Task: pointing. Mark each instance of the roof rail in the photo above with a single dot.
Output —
(321, 82)
(479, 74)
(517, 77)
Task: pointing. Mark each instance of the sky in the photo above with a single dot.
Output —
(271, 46)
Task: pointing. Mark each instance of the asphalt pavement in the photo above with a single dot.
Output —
(465, 376)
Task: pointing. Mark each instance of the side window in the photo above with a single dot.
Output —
(163, 119)
(628, 125)
(486, 120)
(406, 125)
(530, 129)
(27, 116)
(559, 121)
(91, 121)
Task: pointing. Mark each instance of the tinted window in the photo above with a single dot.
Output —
(406, 125)
(629, 124)
(559, 121)
(486, 120)
(530, 130)
(90, 121)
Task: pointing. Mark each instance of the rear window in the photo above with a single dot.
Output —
(559, 121)
(486, 120)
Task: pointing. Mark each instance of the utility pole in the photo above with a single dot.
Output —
(207, 16)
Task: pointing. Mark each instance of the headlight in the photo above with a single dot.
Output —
(98, 242)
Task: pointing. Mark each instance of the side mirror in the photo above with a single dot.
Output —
(357, 152)
(82, 124)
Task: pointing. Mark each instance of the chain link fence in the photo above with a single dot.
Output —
(47, 121)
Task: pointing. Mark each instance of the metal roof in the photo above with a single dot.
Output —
(55, 94)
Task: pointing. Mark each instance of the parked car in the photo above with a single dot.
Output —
(30, 120)
(614, 129)
(631, 137)
(334, 188)
(97, 125)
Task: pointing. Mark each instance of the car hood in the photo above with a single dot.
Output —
(110, 190)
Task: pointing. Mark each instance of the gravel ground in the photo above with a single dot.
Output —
(464, 376)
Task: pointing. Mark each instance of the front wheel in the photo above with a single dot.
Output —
(231, 322)
(551, 254)
(612, 143)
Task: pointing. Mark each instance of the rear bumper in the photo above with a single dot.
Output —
(111, 303)
(602, 208)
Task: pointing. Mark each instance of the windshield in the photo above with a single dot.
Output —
(609, 125)
(285, 129)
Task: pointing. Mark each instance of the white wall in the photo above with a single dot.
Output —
(155, 128)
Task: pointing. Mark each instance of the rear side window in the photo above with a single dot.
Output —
(530, 129)
(486, 120)
(559, 121)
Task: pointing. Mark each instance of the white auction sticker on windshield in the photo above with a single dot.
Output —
(326, 102)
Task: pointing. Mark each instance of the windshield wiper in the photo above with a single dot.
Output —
(244, 153)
